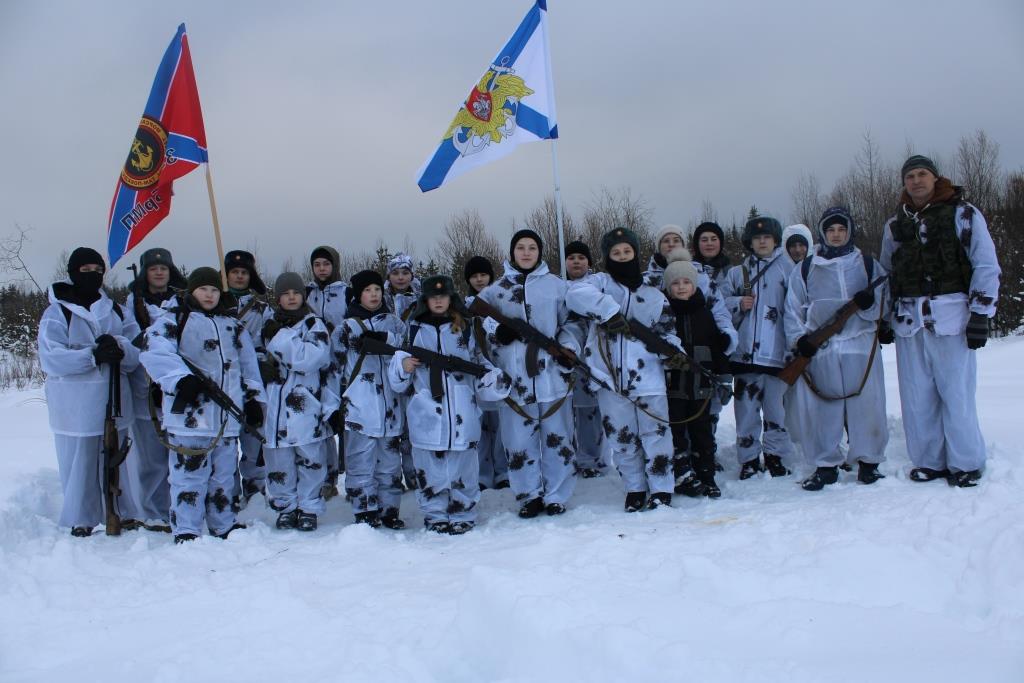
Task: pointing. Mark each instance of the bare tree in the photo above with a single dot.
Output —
(808, 202)
(465, 236)
(543, 220)
(60, 268)
(707, 212)
(869, 190)
(977, 168)
(608, 209)
(11, 259)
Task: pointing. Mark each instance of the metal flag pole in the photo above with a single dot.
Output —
(216, 229)
(558, 211)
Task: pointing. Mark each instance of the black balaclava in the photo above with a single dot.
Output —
(626, 273)
(85, 286)
(521, 234)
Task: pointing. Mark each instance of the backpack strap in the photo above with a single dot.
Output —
(805, 267)
(869, 267)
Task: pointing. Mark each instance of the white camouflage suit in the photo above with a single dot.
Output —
(760, 352)
(299, 401)
(217, 343)
(937, 371)
(641, 443)
(493, 461)
(839, 366)
(401, 304)
(590, 439)
(251, 466)
(541, 452)
(76, 398)
(374, 419)
(445, 433)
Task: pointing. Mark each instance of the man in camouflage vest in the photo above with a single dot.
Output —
(945, 283)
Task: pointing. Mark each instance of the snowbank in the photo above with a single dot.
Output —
(898, 581)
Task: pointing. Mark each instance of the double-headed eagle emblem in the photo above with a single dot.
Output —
(489, 113)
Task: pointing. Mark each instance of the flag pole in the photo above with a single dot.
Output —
(558, 211)
(216, 229)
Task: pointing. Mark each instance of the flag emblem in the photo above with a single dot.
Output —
(489, 114)
(142, 168)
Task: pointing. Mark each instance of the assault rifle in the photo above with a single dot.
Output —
(657, 345)
(437, 362)
(114, 451)
(535, 341)
(219, 397)
(791, 373)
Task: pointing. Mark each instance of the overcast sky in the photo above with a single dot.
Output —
(319, 114)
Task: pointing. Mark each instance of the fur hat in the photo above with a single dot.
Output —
(286, 281)
(361, 281)
(669, 229)
(244, 259)
(400, 260)
(437, 285)
(85, 256)
(477, 264)
(618, 236)
(761, 225)
(203, 277)
(919, 161)
(680, 265)
(578, 247)
(161, 257)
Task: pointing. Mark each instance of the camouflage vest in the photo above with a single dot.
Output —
(937, 266)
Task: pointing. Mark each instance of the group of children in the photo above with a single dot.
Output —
(526, 383)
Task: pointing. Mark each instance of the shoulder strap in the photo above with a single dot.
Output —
(118, 310)
(869, 266)
(67, 313)
(805, 268)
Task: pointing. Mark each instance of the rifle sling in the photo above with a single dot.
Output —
(863, 381)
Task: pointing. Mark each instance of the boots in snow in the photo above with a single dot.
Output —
(867, 472)
(184, 538)
(81, 531)
(922, 474)
(531, 508)
(822, 477)
(658, 500)
(234, 527)
(371, 517)
(773, 464)
(554, 509)
(437, 527)
(964, 479)
(306, 522)
(157, 525)
(690, 485)
(390, 519)
(459, 528)
(287, 520)
(635, 501)
(750, 468)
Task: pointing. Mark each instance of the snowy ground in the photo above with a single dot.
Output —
(898, 581)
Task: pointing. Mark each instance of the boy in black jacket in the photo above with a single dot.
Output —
(690, 392)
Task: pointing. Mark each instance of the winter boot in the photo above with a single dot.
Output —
(307, 521)
(773, 464)
(922, 474)
(390, 519)
(157, 525)
(554, 509)
(81, 531)
(503, 484)
(867, 472)
(328, 491)
(234, 527)
(750, 468)
(822, 477)
(658, 500)
(371, 517)
(459, 528)
(635, 501)
(531, 508)
(590, 473)
(437, 527)
(964, 480)
(287, 520)
(689, 484)
(184, 538)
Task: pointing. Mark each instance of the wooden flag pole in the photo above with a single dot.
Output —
(216, 230)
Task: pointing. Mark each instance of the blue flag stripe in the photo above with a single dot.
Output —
(510, 53)
(117, 240)
(533, 121)
(162, 83)
(434, 175)
(186, 149)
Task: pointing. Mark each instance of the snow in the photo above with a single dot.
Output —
(897, 581)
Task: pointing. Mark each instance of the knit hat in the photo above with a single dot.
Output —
(203, 277)
(669, 229)
(161, 257)
(520, 234)
(400, 260)
(761, 225)
(679, 265)
(578, 247)
(437, 285)
(361, 281)
(703, 228)
(477, 264)
(918, 161)
(244, 259)
(85, 256)
(618, 236)
(286, 281)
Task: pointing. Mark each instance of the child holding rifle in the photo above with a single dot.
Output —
(83, 336)
(299, 402)
(199, 335)
(843, 387)
(443, 413)
(374, 419)
(634, 409)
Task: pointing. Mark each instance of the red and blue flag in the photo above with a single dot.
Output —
(169, 143)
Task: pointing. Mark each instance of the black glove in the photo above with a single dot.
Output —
(270, 328)
(617, 324)
(253, 413)
(805, 348)
(977, 331)
(864, 299)
(885, 334)
(505, 334)
(107, 350)
(156, 394)
(680, 361)
(721, 342)
(268, 371)
(336, 422)
(187, 390)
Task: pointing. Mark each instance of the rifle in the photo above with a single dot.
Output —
(218, 396)
(437, 362)
(114, 452)
(791, 373)
(535, 341)
(657, 345)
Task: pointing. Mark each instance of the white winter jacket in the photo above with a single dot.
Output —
(762, 340)
(76, 389)
(328, 303)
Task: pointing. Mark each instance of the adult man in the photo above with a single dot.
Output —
(945, 282)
